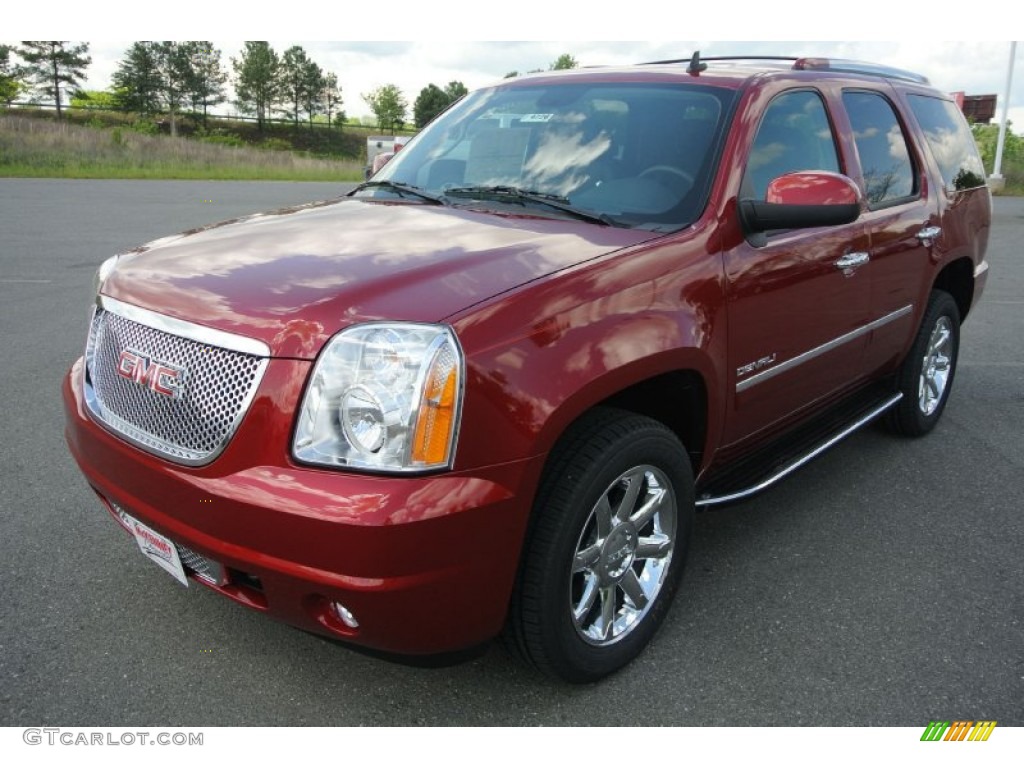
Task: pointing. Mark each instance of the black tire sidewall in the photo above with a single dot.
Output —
(564, 650)
(908, 419)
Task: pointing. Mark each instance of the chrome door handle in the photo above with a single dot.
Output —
(852, 260)
(929, 235)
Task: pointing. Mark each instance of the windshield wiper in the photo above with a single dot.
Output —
(558, 202)
(401, 189)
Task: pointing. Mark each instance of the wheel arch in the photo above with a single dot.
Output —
(678, 396)
(957, 279)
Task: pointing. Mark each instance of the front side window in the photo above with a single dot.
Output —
(949, 137)
(632, 154)
(794, 135)
(881, 146)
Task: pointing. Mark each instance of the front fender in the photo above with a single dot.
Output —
(539, 357)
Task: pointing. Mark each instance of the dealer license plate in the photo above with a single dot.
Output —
(157, 548)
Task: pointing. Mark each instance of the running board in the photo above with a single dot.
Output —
(788, 454)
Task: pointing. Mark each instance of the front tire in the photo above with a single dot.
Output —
(607, 546)
(926, 376)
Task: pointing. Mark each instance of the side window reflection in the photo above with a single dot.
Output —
(881, 146)
(794, 135)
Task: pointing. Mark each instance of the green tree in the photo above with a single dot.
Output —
(429, 104)
(55, 66)
(513, 73)
(256, 79)
(292, 79)
(312, 90)
(174, 65)
(205, 78)
(455, 90)
(433, 100)
(94, 100)
(987, 137)
(565, 61)
(137, 80)
(330, 97)
(388, 105)
(10, 82)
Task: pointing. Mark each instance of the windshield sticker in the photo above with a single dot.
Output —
(538, 118)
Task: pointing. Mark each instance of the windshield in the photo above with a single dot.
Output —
(626, 154)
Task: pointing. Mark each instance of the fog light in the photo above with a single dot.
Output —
(346, 616)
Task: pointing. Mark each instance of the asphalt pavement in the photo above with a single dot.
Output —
(881, 585)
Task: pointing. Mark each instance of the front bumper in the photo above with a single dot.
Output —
(426, 564)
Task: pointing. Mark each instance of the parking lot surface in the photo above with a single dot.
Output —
(881, 585)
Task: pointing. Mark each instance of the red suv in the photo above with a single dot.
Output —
(485, 392)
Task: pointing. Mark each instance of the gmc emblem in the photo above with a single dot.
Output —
(162, 378)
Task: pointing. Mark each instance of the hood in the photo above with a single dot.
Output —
(294, 278)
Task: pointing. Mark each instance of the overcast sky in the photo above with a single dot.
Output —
(362, 66)
(973, 67)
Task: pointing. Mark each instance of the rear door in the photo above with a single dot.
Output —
(899, 218)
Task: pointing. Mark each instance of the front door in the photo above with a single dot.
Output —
(799, 301)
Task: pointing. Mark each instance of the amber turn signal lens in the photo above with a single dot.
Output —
(435, 421)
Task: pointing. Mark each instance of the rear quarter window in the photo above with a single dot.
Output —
(950, 140)
(882, 148)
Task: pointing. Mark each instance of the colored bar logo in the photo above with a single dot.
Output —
(958, 730)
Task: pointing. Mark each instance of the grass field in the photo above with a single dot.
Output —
(45, 148)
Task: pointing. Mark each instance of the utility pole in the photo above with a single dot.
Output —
(996, 182)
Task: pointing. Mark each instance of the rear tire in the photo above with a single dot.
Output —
(606, 548)
(926, 376)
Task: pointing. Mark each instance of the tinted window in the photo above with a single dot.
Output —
(639, 153)
(951, 142)
(881, 146)
(794, 135)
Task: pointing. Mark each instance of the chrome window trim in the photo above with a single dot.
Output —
(856, 333)
(185, 329)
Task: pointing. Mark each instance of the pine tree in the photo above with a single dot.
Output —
(10, 82)
(137, 80)
(55, 66)
(331, 97)
(206, 78)
(256, 83)
(293, 80)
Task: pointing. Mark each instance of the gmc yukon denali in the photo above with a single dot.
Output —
(484, 393)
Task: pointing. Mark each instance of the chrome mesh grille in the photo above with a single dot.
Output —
(191, 426)
(201, 566)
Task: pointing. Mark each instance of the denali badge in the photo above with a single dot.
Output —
(162, 378)
(757, 365)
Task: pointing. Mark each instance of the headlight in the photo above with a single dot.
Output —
(103, 273)
(383, 396)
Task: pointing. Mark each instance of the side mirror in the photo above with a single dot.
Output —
(801, 200)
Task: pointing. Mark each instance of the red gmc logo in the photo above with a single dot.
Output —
(158, 377)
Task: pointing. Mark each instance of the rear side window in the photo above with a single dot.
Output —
(881, 146)
(950, 141)
(794, 135)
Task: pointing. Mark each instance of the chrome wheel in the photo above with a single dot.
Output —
(925, 378)
(936, 366)
(622, 555)
(606, 548)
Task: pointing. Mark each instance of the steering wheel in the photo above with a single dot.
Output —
(671, 170)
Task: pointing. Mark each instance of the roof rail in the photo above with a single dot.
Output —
(860, 68)
(721, 58)
(807, 64)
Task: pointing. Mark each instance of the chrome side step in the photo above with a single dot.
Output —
(710, 499)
